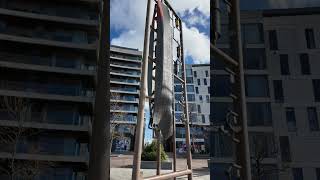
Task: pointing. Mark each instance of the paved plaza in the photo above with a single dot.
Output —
(121, 168)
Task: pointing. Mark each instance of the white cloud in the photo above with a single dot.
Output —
(197, 45)
(198, 19)
(129, 17)
(190, 5)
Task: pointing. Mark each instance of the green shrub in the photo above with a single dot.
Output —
(150, 152)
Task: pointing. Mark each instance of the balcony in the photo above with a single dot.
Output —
(46, 91)
(33, 14)
(49, 36)
(126, 73)
(46, 64)
(136, 59)
(133, 82)
(125, 65)
(50, 148)
(126, 90)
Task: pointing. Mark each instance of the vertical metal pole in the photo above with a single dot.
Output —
(216, 21)
(142, 99)
(174, 140)
(99, 163)
(158, 152)
(186, 111)
(243, 152)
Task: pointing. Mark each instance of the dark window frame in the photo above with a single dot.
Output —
(305, 64)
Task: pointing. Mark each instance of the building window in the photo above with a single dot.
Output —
(191, 97)
(254, 58)
(221, 85)
(199, 82)
(177, 88)
(284, 64)
(190, 88)
(200, 98)
(192, 107)
(195, 74)
(197, 90)
(205, 81)
(257, 86)
(310, 39)
(189, 80)
(278, 90)
(203, 117)
(208, 98)
(178, 107)
(313, 119)
(285, 148)
(273, 40)
(189, 72)
(218, 111)
(207, 73)
(221, 146)
(209, 90)
(305, 65)
(297, 173)
(259, 114)
(252, 33)
(199, 108)
(261, 144)
(291, 119)
(317, 173)
(316, 89)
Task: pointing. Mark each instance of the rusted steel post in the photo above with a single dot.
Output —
(186, 111)
(158, 152)
(142, 99)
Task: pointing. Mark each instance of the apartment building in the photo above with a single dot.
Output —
(47, 69)
(281, 61)
(125, 64)
(198, 83)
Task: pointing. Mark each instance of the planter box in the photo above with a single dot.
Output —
(166, 165)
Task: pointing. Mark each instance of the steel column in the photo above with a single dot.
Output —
(186, 111)
(243, 152)
(142, 99)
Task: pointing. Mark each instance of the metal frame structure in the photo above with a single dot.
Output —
(236, 120)
(179, 76)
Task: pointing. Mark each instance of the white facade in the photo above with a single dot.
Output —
(281, 91)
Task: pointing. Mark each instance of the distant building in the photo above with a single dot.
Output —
(281, 61)
(198, 84)
(125, 71)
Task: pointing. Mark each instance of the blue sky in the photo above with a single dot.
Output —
(127, 22)
(128, 19)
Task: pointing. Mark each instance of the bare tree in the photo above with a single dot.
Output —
(261, 152)
(11, 136)
(117, 116)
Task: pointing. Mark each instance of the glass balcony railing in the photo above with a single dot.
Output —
(53, 146)
(124, 80)
(124, 89)
(46, 61)
(134, 65)
(51, 117)
(135, 58)
(126, 118)
(127, 72)
(125, 98)
(44, 8)
(51, 88)
(125, 108)
(47, 33)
